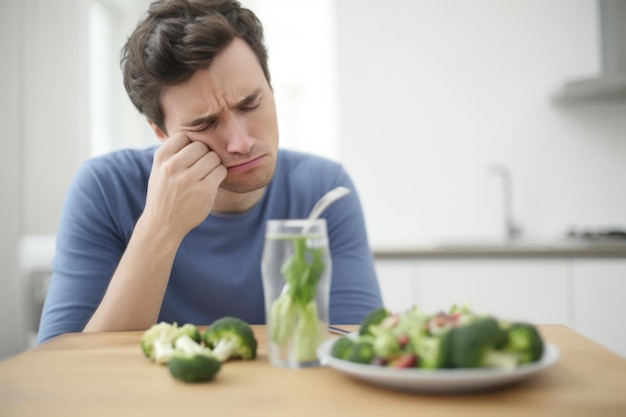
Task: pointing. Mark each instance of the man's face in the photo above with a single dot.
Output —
(229, 107)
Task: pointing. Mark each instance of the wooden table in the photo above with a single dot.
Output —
(106, 375)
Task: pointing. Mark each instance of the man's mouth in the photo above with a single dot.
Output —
(247, 165)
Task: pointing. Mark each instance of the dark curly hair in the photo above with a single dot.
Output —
(177, 37)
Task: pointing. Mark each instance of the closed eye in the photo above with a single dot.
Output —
(251, 102)
(206, 126)
(250, 107)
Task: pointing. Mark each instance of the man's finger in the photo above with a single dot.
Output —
(172, 146)
(203, 166)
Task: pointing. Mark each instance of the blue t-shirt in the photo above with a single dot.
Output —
(217, 270)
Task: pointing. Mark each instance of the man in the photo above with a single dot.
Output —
(175, 232)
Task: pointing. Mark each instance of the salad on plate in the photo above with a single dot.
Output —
(452, 339)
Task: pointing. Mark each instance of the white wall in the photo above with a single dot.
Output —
(115, 123)
(9, 171)
(432, 92)
(301, 39)
(44, 119)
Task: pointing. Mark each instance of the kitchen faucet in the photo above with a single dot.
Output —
(512, 230)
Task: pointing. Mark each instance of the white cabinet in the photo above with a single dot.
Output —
(588, 295)
(397, 283)
(598, 296)
(526, 290)
(531, 290)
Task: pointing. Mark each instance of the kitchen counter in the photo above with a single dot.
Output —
(514, 249)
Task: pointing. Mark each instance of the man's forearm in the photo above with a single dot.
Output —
(134, 296)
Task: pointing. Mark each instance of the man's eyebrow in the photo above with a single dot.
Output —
(211, 118)
(250, 98)
(202, 121)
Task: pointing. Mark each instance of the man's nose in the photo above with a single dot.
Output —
(235, 134)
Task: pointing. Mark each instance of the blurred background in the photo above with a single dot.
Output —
(477, 121)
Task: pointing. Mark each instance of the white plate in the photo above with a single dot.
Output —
(438, 380)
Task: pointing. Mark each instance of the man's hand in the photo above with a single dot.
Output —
(183, 184)
(182, 188)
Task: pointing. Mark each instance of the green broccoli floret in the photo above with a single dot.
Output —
(230, 338)
(432, 351)
(385, 342)
(374, 317)
(524, 341)
(191, 362)
(472, 344)
(342, 347)
(361, 352)
(191, 331)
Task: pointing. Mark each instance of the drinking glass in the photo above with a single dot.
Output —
(296, 271)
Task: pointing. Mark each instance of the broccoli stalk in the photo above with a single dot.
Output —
(499, 359)
(283, 318)
(307, 336)
(293, 316)
(224, 349)
(230, 338)
(162, 351)
(188, 346)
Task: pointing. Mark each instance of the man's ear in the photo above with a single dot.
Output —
(160, 134)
